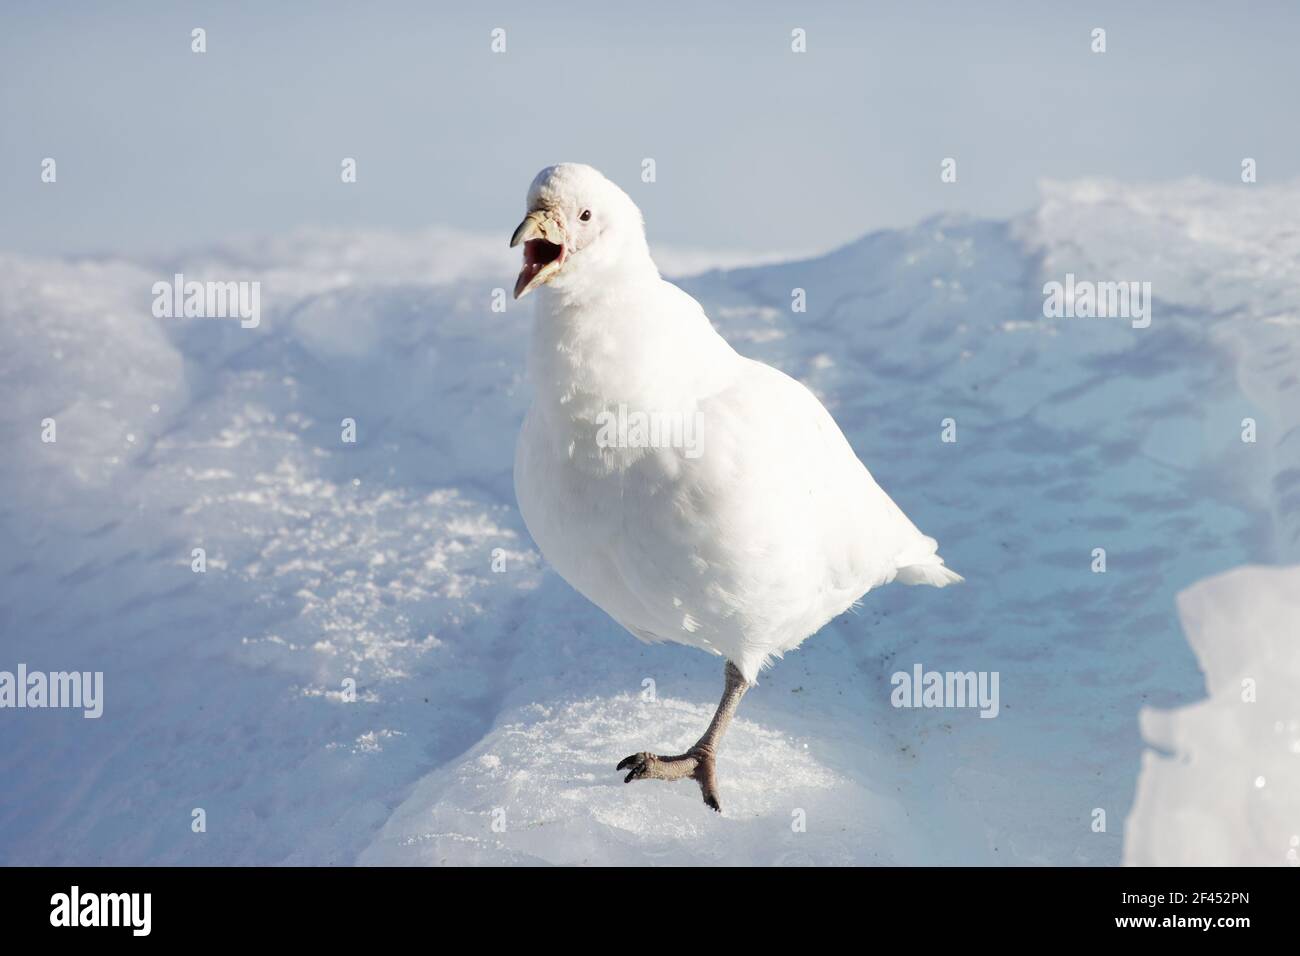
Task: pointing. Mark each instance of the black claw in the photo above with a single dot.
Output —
(712, 801)
(639, 764)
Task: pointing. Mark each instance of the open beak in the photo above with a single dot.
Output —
(542, 234)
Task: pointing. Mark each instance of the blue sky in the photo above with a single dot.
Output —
(757, 148)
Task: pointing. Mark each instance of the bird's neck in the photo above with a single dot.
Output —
(590, 288)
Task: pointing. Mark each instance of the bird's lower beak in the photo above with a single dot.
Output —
(542, 234)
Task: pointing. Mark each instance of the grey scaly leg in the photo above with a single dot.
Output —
(699, 761)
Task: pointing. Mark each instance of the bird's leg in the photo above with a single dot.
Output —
(699, 761)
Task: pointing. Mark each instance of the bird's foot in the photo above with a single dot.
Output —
(697, 763)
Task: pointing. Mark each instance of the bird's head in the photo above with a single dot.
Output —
(580, 228)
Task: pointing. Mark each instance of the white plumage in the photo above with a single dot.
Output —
(746, 543)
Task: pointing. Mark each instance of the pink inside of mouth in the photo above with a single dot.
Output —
(537, 254)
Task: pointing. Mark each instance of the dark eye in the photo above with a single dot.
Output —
(586, 214)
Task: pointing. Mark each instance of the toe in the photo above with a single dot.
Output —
(637, 765)
(629, 761)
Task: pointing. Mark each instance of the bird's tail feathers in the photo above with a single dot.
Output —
(927, 568)
(936, 575)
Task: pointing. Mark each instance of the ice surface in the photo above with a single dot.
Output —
(478, 690)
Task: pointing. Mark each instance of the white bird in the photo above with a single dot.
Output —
(693, 494)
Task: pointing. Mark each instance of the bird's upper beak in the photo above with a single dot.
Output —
(542, 233)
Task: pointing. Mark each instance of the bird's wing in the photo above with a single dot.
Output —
(729, 546)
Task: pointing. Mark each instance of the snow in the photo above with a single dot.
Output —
(479, 690)
(543, 778)
(1220, 789)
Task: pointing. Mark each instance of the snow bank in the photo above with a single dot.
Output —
(1224, 263)
(1222, 787)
